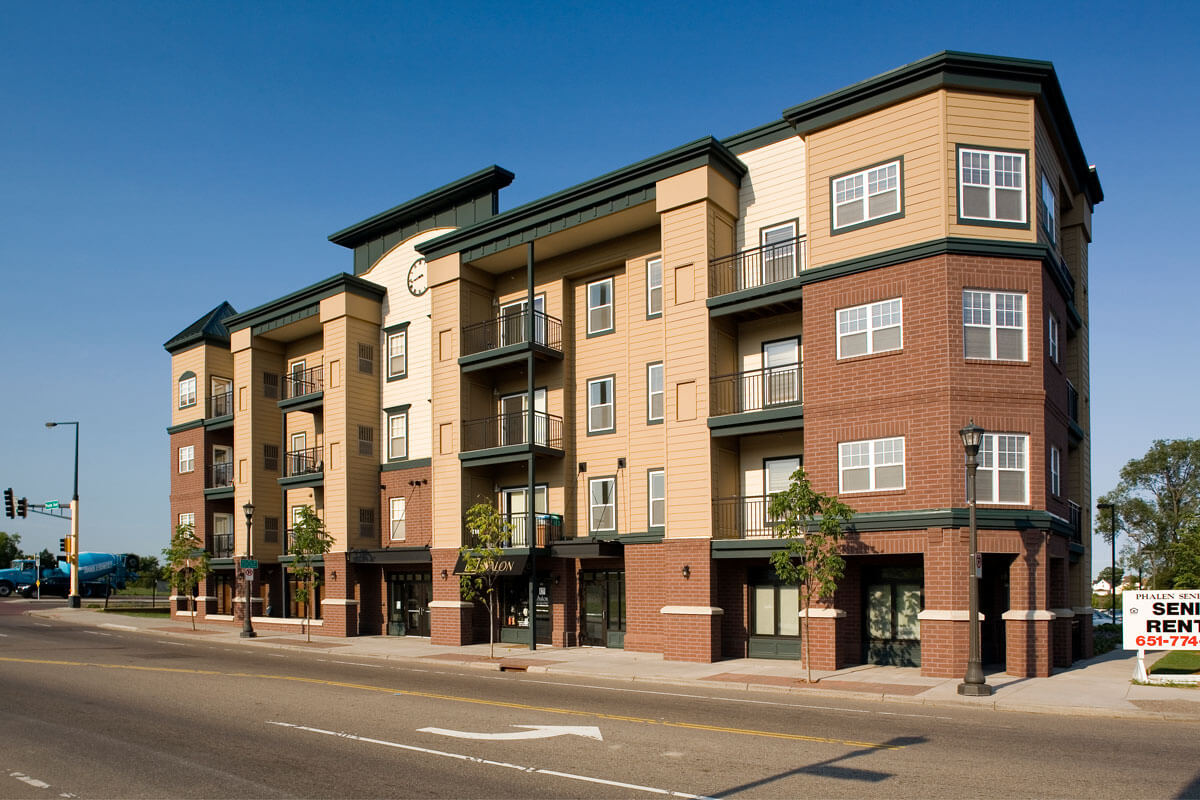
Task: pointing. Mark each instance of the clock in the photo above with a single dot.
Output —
(417, 284)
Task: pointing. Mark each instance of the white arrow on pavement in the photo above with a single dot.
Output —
(531, 732)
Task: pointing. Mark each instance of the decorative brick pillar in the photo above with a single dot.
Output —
(822, 632)
(450, 617)
(945, 643)
(693, 633)
(339, 607)
(691, 622)
(1028, 643)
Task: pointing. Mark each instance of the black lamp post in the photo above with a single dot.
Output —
(1111, 508)
(974, 684)
(247, 628)
(73, 600)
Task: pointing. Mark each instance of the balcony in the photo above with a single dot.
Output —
(1073, 427)
(303, 389)
(757, 401)
(549, 529)
(760, 280)
(505, 437)
(505, 339)
(220, 405)
(222, 545)
(742, 518)
(1075, 517)
(218, 482)
(303, 468)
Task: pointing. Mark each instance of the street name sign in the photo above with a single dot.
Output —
(249, 563)
(51, 504)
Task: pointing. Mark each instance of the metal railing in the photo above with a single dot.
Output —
(1073, 402)
(761, 266)
(509, 328)
(756, 390)
(220, 405)
(220, 476)
(548, 527)
(303, 462)
(743, 517)
(305, 381)
(222, 545)
(1075, 517)
(504, 430)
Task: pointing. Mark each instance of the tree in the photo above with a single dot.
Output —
(309, 540)
(10, 548)
(1187, 559)
(1111, 576)
(811, 525)
(481, 561)
(47, 560)
(187, 563)
(1157, 500)
(148, 572)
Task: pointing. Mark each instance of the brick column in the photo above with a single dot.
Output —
(691, 622)
(339, 607)
(822, 629)
(450, 618)
(944, 622)
(1028, 634)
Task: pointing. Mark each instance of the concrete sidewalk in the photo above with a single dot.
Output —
(1101, 686)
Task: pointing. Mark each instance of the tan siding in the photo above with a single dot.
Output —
(253, 427)
(188, 361)
(772, 192)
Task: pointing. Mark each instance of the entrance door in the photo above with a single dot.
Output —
(781, 373)
(603, 608)
(894, 597)
(513, 425)
(512, 321)
(774, 617)
(409, 594)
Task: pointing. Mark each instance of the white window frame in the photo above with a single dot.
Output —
(398, 527)
(989, 471)
(869, 319)
(188, 518)
(862, 187)
(187, 392)
(654, 289)
(611, 405)
(400, 417)
(660, 393)
(1049, 209)
(1055, 471)
(983, 175)
(653, 521)
(397, 348)
(187, 459)
(610, 306)
(989, 317)
(872, 455)
(592, 506)
(1052, 328)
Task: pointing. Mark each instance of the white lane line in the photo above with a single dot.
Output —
(31, 781)
(43, 625)
(115, 627)
(3, 635)
(97, 633)
(489, 763)
(177, 644)
(350, 663)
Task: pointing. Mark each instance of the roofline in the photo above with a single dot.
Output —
(489, 179)
(178, 343)
(342, 282)
(638, 175)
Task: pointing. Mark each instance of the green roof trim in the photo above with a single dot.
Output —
(607, 194)
(298, 303)
(763, 135)
(956, 70)
(209, 329)
(489, 180)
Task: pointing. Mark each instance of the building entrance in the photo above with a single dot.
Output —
(409, 594)
(894, 598)
(603, 606)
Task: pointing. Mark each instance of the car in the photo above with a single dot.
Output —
(1100, 617)
(56, 586)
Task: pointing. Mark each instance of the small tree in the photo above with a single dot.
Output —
(187, 563)
(47, 560)
(10, 548)
(811, 525)
(309, 540)
(481, 561)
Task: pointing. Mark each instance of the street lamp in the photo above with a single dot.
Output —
(247, 628)
(974, 684)
(1111, 508)
(73, 599)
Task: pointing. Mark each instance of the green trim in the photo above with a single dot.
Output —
(386, 439)
(649, 419)
(763, 135)
(768, 420)
(642, 537)
(507, 355)
(412, 463)
(209, 329)
(587, 384)
(988, 223)
(866, 223)
(1076, 431)
(301, 481)
(388, 333)
(612, 532)
(303, 402)
(773, 294)
(184, 376)
(608, 194)
(403, 407)
(184, 426)
(492, 456)
(656, 528)
(269, 315)
(220, 493)
(612, 305)
(219, 423)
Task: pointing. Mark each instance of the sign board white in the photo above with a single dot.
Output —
(1161, 620)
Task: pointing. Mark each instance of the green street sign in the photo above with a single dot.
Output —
(51, 504)
(249, 563)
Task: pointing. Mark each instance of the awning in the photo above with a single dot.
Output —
(506, 565)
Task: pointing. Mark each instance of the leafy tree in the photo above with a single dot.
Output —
(481, 561)
(187, 563)
(10, 548)
(47, 560)
(309, 540)
(1114, 577)
(1187, 559)
(1157, 500)
(148, 572)
(811, 525)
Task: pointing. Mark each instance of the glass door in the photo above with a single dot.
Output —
(512, 321)
(603, 607)
(513, 506)
(779, 253)
(894, 598)
(781, 372)
(222, 466)
(774, 618)
(408, 608)
(512, 418)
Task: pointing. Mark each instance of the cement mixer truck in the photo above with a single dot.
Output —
(97, 573)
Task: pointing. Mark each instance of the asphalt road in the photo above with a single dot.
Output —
(91, 713)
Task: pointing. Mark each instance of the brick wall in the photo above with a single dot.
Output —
(418, 525)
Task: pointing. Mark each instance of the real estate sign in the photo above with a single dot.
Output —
(1162, 620)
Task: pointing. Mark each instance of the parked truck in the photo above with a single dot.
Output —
(97, 573)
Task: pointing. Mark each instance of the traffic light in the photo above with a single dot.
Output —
(8, 503)
(62, 546)
(23, 508)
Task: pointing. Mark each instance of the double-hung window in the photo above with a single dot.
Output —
(601, 416)
(871, 465)
(870, 195)
(398, 508)
(1003, 474)
(1047, 209)
(188, 520)
(994, 325)
(600, 306)
(656, 498)
(187, 390)
(1055, 471)
(1052, 337)
(654, 287)
(187, 458)
(991, 186)
(655, 396)
(602, 505)
(397, 436)
(397, 354)
(873, 328)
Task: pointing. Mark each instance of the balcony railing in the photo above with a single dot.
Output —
(549, 529)
(509, 328)
(222, 545)
(504, 430)
(761, 266)
(303, 462)
(757, 390)
(1073, 402)
(220, 476)
(220, 405)
(742, 518)
(1075, 517)
(304, 381)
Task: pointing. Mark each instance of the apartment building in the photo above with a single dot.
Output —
(629, 368)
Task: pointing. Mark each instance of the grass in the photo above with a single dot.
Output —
(1177, 662)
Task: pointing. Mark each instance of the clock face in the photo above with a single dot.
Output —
(416, 278)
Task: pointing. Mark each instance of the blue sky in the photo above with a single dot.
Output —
(159, 158)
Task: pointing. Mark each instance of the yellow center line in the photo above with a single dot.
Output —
(458, 699)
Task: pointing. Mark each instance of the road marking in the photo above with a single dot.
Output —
(3, 635)
(97, 633)
(795, 737)
(43, 625)
(489, 763)
(350, 663)
(115, 627)
(531, 732)
(31, 781)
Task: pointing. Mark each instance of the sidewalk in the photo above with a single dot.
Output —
(1098, 687)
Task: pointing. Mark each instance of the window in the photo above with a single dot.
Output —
(366, 523)
(654, 287)
(991, 186)
(656, 498)
(600, 306)
(187, 390)
(655, 395)
(1046, 210)
(778, 252)
(871, 195)
(873, 328)
(872, 465)
(1055, 472)
(187, 458)
(188, 521)
(398, 508)
(602, 512)
(1052, 337)
(1003, 476)
(397, 350)
(397, 436)
(994, 325)
(600, 406)
(366, 358)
